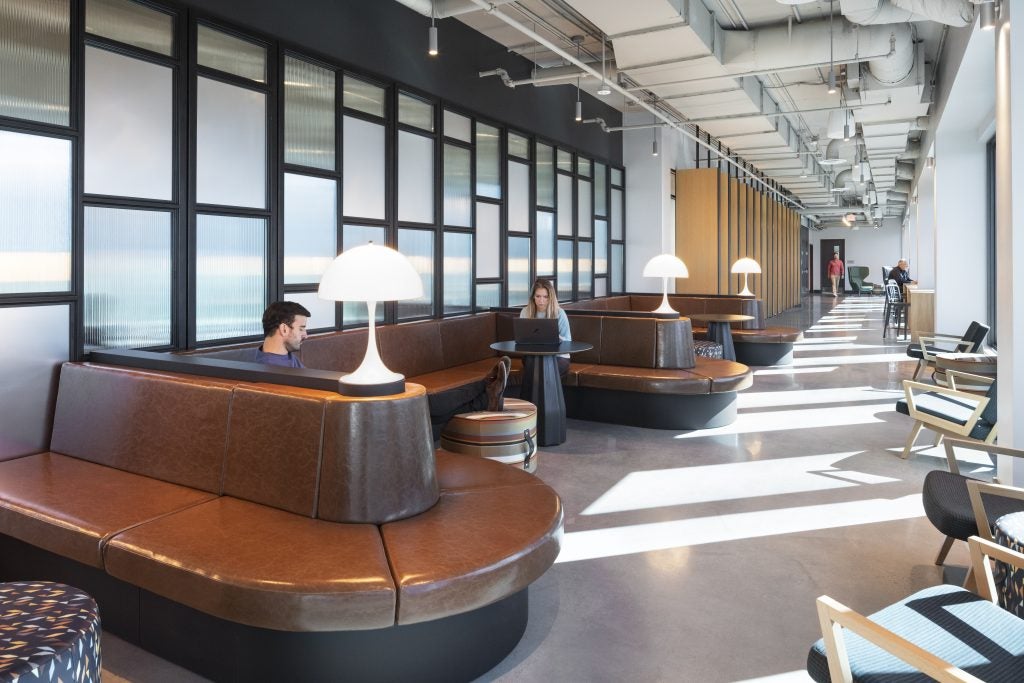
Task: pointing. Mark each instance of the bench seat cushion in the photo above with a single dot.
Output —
(456, 472)
(72, 507)
(261, 566)
(642, 380)
(475, 547)
(768, 335)
(454, 377)
(724, 375)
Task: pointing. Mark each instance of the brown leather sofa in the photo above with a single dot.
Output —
(212, 517)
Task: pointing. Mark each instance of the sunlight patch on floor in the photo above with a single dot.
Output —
(814, 397)
(825, 340)
(898, 356)
(790, 370)
(799, 676)
(812, 418)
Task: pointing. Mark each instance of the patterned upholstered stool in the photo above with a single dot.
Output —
(707, 349)
(48, 632)
(1009, 531)
(509, 436)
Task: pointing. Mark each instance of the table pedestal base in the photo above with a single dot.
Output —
(542, 387)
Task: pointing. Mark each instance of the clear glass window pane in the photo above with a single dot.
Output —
(127, 281)
(323, 313)
(224, 52)
(310, 227)
(308, 114)
(35, 61)
(600, 247)
(363, 96)
(518, 145)
(231, 276)
(418, 246)
(131, 23)
(354, 312)
(412, 111)
(458, 126)
(584, 166)
(586, 266)
(600, 190)
(129, 126)
(458, 207)
(566, 269)
(518, 270)
(458, 272)
(564, 160)
(364, 179)
(585, 219)
(488, 240)
(617, 176)
(35, 213)
(488, 295)
(518, 197)
(231, 145)
(616, 214)
(600, 287)
(618, 269)
(545, 243)
(488, 175)
(545, 175)
(415, 178)
(565, 205)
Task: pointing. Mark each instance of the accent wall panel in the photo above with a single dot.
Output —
(697, 228)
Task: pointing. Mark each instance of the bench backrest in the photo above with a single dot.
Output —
(634, 342)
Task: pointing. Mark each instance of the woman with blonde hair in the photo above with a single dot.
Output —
(544, 304)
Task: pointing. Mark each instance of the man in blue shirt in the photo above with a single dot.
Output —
(284, 330)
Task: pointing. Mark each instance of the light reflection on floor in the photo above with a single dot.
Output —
(898, 356)
(815, 397)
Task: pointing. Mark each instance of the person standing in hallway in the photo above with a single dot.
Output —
(835, 271)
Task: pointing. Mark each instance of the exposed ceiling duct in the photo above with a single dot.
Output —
(441, 9)
(958, 13)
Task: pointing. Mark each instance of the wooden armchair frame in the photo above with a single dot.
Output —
(928, 358)
(937, 424)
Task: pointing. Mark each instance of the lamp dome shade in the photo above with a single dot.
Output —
(370, 273)
(666, 265)
(745, 265)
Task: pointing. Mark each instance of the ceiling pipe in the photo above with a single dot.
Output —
(740, 117)
(441, 9)
(956, 13)
(492, 8)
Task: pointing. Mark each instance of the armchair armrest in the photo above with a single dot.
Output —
(953, 375)
(937, 421)
(957, 343)
(975, 489)
(950, 444)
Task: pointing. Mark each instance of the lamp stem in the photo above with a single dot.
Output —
(372, 370)
(746, 290)
(665, 307)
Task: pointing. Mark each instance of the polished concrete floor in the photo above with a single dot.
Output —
(697, 556)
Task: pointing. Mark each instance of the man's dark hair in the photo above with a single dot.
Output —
(281, 312)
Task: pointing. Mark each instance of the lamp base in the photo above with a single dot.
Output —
(746, 292)
(360, 389)
(665, 307)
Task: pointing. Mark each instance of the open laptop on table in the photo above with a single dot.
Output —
(536, 333)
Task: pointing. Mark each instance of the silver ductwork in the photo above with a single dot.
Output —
(957, 13)
(904, 170)
(913, 150)
(441, 9)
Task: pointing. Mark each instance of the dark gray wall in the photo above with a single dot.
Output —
(388, 40)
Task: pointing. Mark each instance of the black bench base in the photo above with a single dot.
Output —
(763, 353)
(654, 411)
(455, 648)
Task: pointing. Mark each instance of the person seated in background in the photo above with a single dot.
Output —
(284, 330)
(544, 304)
(900, 274)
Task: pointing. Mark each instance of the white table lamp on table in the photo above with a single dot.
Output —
(746, 266)
(371, 273)
(665, 266)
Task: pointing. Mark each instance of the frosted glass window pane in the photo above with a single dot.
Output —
(223, 52)
(618, 269)
(518, 270)
(458, 272)
(584, 166)
(565, 205)
(565, 269)
(34, 60)
(600, 247)
(564, 160)
(488, 176)
(616, 214)
(418, 246)
(617, 176)
(308, 114)
(363, 96)
(600, 287)
(354, 312)
(488, 295)
(586, 269)
(458, 126)
(518, 145)
(231, 276)
(363, 169)
(129, 126)
(415, 178)
(310, 227)
(518, 197)
(457, 200)
(545, 243)
(127, 278)
(585, 218)
(231, 145)
(323, 313)
(35, 213)
(600, 190)
(488, 240)
(413, 111)
(131, 23)
(545, 176)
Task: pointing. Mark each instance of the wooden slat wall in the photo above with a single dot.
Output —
(720, 219)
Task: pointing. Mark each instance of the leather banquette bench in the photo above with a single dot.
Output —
(756, 343)
(254, 531)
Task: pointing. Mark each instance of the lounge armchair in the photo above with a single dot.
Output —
(949, 412)
(926, 347)
(857, 282)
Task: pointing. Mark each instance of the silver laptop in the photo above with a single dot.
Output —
(535, 331)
